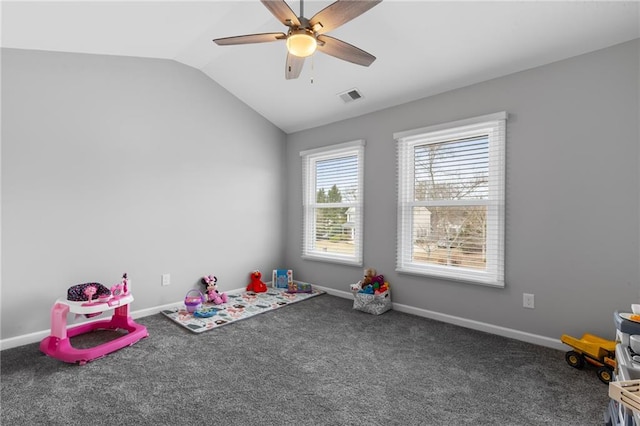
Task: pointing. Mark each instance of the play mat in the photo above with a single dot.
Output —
(238, 307)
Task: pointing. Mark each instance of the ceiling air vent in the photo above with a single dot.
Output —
(350, 96)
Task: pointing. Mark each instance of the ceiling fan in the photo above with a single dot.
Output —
(306, 35)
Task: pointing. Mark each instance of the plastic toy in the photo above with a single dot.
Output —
(256, 285)
(86, 292)
(122, 287)
(193, 301)
(205, 312)
(213, 295)
(594, 350)
(58, 344)
(299, 287)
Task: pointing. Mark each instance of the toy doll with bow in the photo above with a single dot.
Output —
(213, 295)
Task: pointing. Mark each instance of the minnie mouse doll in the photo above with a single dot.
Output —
(213, 295)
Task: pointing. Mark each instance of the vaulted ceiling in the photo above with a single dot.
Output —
(422, 47)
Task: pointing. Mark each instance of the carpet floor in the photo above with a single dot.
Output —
(313, 363)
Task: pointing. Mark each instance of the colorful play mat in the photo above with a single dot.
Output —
(238, 307)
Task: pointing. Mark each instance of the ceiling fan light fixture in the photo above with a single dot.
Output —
(301, 43)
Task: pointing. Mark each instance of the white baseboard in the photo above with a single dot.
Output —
(26, 339)
(462, 322)
(465, 322)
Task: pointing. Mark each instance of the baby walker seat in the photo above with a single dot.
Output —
(58, 345)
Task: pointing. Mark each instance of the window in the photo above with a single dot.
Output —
(332, 201)
(451, 200)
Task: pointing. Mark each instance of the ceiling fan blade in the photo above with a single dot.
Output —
(293, 66)
(281, 10)
(345, 51)
(339, 13)
(250, 38)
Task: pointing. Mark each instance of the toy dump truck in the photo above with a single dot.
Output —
(594, 350)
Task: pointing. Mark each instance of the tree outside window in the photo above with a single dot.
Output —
(451, 200)
(333, 203)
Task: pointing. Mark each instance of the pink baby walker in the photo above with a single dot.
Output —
(80, 300)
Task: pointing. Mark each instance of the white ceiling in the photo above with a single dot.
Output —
(422, 47)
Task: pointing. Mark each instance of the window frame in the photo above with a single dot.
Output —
(310, 205)
(494, 127)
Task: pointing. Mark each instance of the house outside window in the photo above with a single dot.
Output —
(332, 203)
(451, 200)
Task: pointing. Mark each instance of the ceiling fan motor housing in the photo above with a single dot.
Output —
(301, 42)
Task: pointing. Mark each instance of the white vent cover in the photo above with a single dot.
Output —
(350, 95)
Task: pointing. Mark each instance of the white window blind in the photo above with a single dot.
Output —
(332, 203)
(451, 200)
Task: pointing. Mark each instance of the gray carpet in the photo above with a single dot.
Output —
(317, 362)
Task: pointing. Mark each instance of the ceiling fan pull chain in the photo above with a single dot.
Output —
(312, 68)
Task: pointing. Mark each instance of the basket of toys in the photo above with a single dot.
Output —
(193, 300)
(372, 293)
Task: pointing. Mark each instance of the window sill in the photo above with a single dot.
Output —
(473, 278)
(328, 259)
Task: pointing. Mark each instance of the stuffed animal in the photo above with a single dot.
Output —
(366, 277)
(256, 285)
(383, 288)
(369, 278)
(377, 281)
(366, 280)
(368, 289)
(213, 295)
(370, 283)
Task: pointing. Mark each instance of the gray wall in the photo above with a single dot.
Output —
(114, 164)
(572, 207)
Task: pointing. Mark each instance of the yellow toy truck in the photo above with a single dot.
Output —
(594, 350)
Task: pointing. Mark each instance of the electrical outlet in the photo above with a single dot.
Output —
(166, 279)
(528, 300)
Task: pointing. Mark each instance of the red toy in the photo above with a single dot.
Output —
(256, 285)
